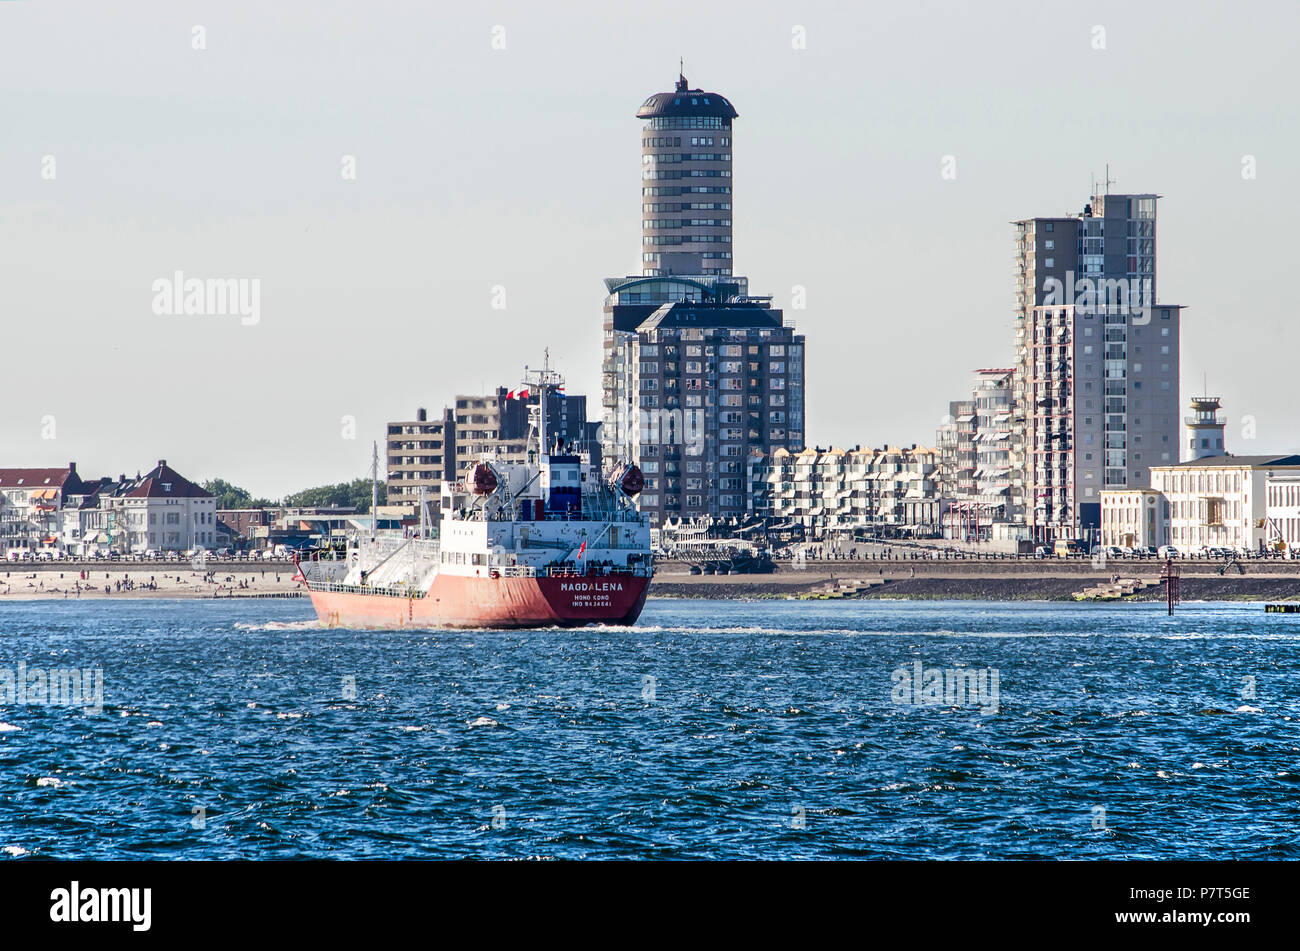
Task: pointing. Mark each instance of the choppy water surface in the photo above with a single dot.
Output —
(712, 730)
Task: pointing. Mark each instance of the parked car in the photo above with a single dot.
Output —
(1041, 551)
(1167, 551)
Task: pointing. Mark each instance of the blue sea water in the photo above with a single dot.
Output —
(232, 729)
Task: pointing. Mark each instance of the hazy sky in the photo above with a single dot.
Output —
(520, 167)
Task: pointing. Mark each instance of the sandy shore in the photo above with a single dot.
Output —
(152, 581)
(960, 580)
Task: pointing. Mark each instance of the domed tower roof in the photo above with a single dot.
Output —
(686, 102)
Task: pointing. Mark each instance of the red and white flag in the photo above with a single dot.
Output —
(518, 394)
(582, 549)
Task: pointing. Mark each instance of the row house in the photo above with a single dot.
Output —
(894, 490)
(33, 508)
(56, 510)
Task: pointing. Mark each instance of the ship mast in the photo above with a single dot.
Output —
(543, 379)
(541, 405)
(374, 490)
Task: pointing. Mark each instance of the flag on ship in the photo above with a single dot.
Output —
(518, 394)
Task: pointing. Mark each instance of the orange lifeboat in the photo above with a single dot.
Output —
(484, 481)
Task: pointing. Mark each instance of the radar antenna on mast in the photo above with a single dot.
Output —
(545, 381)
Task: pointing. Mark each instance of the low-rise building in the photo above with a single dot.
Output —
(1282, 509)
(164, 511)
(35, 504)
(1134, 518)
(890, 490)
(1239, 502)
(56, 510)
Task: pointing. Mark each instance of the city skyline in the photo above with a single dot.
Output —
(229, 160)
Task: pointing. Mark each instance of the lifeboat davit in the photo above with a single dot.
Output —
(630, 480)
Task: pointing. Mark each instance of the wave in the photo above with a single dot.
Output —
(936, 632)
(307, 625)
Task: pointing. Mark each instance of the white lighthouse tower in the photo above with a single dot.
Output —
(1204, 429)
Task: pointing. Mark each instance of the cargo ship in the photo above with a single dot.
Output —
(545, 541)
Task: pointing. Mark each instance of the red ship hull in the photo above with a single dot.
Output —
(461, 601)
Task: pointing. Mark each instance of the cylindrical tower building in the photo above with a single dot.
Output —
(686, 150)
(1204, 429)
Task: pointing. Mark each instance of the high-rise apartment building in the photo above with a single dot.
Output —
(686, 182)
(704, 392)
(701, 381)
(1097, 368)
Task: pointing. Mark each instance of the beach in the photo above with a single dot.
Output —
(159, 580)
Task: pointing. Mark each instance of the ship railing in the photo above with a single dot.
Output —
(598, 571)
(394, 591)
(515, 571)
(323, 572)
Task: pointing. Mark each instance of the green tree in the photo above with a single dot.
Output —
(354, 494)
(231, 496)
